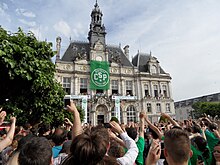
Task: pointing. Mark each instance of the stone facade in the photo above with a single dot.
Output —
(184, 108)
(143, 83)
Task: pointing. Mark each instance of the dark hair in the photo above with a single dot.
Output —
(43, 129)
(213, 126)
(195, 129)
(153, 134)
(177, 144)
(69, 135)
(24, 140)
(58, 139)
(89, 148)
(37, 151)
(132, 132)
(201, 144)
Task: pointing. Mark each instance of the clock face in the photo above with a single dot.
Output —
(98, 58)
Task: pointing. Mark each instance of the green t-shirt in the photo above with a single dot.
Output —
(211, 139)
(140, 145)
(197, 153)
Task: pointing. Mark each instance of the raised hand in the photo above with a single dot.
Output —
(154, 153)
(72, 107)
(2, 116)
(116, 127)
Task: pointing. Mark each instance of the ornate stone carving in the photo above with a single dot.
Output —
(79, 54)
(115, 56)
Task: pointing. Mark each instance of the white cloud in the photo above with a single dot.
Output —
(5, 6)
(63, 28)
(3, 14)
(25, 13)
(28, 23)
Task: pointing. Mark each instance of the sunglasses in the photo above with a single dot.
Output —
(216, 151)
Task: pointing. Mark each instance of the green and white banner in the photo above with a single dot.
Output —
(99, 77)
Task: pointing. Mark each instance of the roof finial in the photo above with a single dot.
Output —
(96, 3)
(150, 53)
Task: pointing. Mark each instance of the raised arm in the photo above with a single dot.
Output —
(10, 135)
(77, 128)
(141, 130)
(131, 154)
(153, 127)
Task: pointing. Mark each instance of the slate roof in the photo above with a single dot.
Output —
(84, 47)
(140, 60)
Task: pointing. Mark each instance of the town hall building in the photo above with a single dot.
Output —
(103, 80)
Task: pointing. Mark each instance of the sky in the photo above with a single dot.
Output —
(184, 35)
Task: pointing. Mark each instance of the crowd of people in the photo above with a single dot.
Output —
(195, 142)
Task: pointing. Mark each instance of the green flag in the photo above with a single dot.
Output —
(99, 77)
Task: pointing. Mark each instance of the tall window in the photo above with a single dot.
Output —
(167, 107)
(83, 86)
(148, 107)
(155, 91)
(131, 114)
(165, 91)
(129, 88)
(114, 87)
(113, 113)
(158, 107)
(67, 84)
(153, 69)
(146, 90)
(88, 115)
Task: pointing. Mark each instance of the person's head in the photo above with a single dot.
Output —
(37, 151)
(116, 150)
(43, 129)
(195, 129)
(201, 144)
(90, 146)
(132, 132)
(58, 139)
(213, 126)
(216, 152)
(177, 146)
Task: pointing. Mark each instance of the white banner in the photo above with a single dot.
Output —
(124, 97)
(84, 107)
(117, 109)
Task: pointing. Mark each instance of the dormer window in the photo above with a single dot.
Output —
(153, 69)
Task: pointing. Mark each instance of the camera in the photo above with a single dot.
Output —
(107, 125)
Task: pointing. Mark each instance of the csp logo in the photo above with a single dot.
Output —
(100, 77)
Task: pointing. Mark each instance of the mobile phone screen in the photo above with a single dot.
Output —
(66, 102)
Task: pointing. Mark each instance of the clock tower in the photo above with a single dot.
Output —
(96, 36)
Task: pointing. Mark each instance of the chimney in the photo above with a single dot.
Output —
(126, 51)
(58, 46)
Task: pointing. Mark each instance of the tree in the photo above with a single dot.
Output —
(209, 108)
(27, 85)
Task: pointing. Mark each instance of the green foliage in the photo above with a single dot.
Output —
(27, 79)
(114, 119)
(209, 108)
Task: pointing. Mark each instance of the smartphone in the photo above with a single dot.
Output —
(107, 125)
(66, 100)
(5, 124)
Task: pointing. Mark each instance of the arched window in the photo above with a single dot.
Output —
(153, 69)
(131, 114)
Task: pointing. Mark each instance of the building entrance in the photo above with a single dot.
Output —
(100, 119)
(101, 112)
